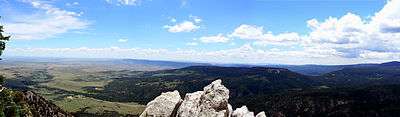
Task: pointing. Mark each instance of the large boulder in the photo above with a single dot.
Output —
(261, 114)
(242, 112)
(164, 105)
(211, 102)
(190, 105)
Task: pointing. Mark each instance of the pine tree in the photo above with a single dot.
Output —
(3, 40)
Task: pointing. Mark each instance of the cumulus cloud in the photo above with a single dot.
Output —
(348, 36)
(388, 19)
(344, 30)
(49, 21)
(353, 37)
(252, 32)
(220, 38)
(185, 26)
(245, 31)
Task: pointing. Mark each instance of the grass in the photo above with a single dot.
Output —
(77, 103)
(70, 78)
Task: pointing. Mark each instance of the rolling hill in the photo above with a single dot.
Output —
(242, 82)
(371, 74)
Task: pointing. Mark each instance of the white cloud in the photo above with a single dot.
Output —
(47, 22)
(344, 30)
(242, 54)
(220, 38)
(335, 40)
(185, 26)
(388, 19)
(122, 40)
(190, 25)
(349, 36)
(353, 37)
(245, 31)
(252, 32)
(124, 2)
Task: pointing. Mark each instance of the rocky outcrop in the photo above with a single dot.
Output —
(163, 106)
(242, 112)
(261, 114)
(190, 105)
(40, 107)
(211, 102)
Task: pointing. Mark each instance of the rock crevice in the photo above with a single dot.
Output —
(211, 102)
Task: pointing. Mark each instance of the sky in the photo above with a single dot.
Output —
(217, 31)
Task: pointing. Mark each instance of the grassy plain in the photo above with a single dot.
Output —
(66, 84)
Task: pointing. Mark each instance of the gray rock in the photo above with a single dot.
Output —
(214, 101)
(211, 102)
(190, 105)
(164, 105)
(261, 114)
(230, 110)
(242, 112)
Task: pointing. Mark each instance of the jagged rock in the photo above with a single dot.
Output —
(190, 105)
(211, 102)
(261, 114)
(230, 110)
(214, 101)
(164, 105)
(242, 112)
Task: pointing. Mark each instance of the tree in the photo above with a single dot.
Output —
(1, 81)
(3, 40)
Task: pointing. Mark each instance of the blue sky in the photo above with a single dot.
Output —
(234, 31)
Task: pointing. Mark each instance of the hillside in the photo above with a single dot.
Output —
(241, 82)
(312, 70)
(371, 74)
(27, 104)
(372, 101)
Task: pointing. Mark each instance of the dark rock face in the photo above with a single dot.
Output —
(40, 107)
